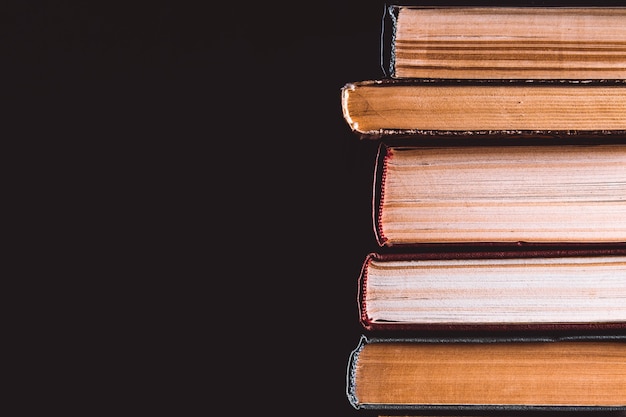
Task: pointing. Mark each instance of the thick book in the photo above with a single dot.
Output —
(505, 42)
(540, 291)
(571, 373)
(416, 108)
(516, 194)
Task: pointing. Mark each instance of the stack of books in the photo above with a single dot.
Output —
(499, 207)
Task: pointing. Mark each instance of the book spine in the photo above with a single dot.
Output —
(378, 190)
(388, 40)
(351, 372)
(362, 294)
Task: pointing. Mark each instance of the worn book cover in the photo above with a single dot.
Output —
(504, 42)
(574, 373)
(418, 107)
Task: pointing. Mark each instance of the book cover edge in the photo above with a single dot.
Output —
(351, 371)
(378, 191)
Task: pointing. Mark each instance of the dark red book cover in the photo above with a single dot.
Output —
(505, 238)
(500, 253)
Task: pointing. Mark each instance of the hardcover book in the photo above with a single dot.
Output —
(412, 108)
(508, 208)
(541, 290)
(559, 193)
(572, 373)
(475, 42)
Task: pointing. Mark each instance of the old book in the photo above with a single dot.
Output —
(557, 193)
(506, 42)
(499, 374)
(423, 107)
(540, 290)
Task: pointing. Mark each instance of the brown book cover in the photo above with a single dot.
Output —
(544, 108)
(573, 373)
(504, 42)
(496, 290)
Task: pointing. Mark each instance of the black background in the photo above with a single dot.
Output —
(200, 205)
